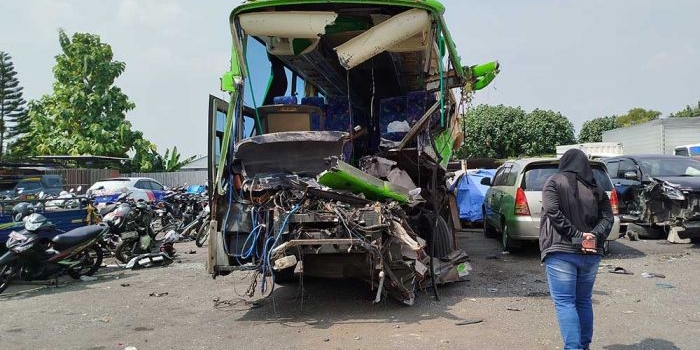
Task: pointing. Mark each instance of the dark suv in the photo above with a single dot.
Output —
(49, 184)
(657, 194)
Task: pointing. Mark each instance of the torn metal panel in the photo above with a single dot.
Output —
(294, 152)
(343, 176)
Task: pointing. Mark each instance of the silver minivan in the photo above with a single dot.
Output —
(513, 203)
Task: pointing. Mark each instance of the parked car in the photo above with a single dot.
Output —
(513, 203)
(31, 186)
(692, 151)
(658, 193)
(141, 188)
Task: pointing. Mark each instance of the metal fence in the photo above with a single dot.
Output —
(86, 177)
(189, 177)
(82, 177)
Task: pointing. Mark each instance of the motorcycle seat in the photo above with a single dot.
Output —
(107, 208)
(77, 236)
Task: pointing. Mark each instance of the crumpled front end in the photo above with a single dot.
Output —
(344, 222)
(664, 203)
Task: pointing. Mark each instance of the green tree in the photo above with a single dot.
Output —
(688, 112)
(637, 116)
(493, 132)
(12, 105)
(86, 114)
(544, 131)
(592, 130)
(173, 162)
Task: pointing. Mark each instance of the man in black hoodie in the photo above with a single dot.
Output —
(574, 209)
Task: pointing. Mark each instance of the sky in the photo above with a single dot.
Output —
(585, 59)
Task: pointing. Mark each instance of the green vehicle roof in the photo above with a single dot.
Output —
(430, 5)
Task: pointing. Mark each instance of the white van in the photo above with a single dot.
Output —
(688, 150)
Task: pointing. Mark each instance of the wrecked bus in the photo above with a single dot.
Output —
(338, 170)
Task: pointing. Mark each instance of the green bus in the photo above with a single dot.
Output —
(338, 170)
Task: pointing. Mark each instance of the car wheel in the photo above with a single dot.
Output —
(489, 231)
(509, 244)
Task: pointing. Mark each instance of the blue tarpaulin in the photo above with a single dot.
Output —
(470, 193)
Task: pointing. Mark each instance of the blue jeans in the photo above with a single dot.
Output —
(571, 277)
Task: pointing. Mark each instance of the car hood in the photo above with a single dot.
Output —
(297, 152)
(682, 182)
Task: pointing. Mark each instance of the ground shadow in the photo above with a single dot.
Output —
(351, 301)
(648, 343)
(22, 290)
(620, 249)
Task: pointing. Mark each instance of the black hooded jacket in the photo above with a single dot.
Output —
(573, 204)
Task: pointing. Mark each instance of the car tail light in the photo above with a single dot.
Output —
(521, 207)
(614, 202)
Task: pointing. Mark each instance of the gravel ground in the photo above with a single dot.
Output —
(181, 307)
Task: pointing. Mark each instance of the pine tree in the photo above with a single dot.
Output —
(12, 105)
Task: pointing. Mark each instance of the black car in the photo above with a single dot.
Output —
(658, 193)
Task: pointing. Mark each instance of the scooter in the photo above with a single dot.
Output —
(29, 257)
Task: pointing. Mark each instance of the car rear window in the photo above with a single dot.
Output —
(536, 175)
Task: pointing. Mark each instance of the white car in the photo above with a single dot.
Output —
(141, 188)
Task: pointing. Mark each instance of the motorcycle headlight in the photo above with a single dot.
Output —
(673, 193)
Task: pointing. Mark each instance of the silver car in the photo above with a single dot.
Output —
(513, 203)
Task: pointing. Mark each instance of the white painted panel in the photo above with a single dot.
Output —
(382, 37)
(287, 24)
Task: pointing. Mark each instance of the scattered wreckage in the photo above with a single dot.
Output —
(349, 183)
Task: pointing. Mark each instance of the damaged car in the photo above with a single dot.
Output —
(340, 171)
(658, 194)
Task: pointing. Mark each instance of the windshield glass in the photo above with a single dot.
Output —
(670, 167)
(29, 185)
(535, 176)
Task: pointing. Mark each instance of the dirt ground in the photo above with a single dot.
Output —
(175, 308)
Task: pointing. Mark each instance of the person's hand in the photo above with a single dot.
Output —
(589, 236)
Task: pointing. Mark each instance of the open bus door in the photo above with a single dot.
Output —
(218, 109)
(243, 126)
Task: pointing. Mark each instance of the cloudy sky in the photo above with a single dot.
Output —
(585, 59)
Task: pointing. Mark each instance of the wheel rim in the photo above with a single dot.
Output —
(88, 258)
(504, 237)
(6, 274)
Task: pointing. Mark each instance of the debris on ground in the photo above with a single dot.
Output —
(88, 278)
(154, 294)
(467, 321)
(125, 284)
(652, 275)
(620, 270)
(665, 285)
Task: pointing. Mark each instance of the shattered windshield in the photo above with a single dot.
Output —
(670, 167)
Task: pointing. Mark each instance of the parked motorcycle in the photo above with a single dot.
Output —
(117, 216)
(30, 257)
(190, 230)
(139, 238)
